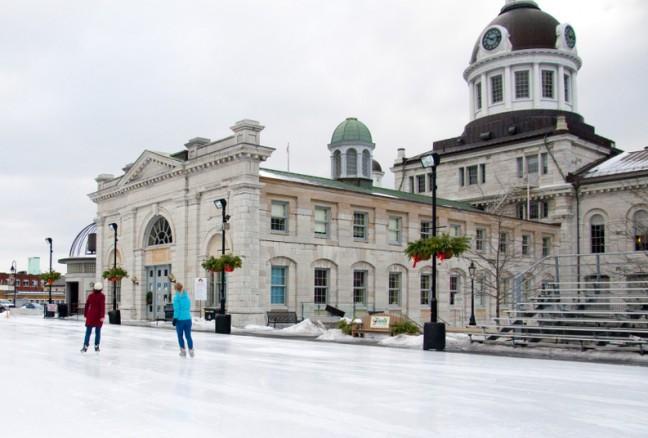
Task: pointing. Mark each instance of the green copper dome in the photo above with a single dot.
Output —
(351, 130)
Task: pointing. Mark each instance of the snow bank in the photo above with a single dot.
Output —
(305, 328)
(258, 328)
(403, 341)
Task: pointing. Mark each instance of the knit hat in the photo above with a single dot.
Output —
(98, 286)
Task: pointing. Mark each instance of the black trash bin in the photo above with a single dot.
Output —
(210, 313)
(114, 317)
(62, 310)
(223, 324)
(168, 312)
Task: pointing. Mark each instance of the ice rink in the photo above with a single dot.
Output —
(242, 386)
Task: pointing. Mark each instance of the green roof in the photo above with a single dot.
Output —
(351, 130)
(377, 191)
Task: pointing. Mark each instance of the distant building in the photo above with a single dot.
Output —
(29, 288)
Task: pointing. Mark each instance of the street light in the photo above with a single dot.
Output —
(116, 317)
(434, 331)
(13, 276)
(223, 321)
(471, 271)
(49, 299)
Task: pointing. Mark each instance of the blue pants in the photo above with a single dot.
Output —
(183, 327)
(86, 342)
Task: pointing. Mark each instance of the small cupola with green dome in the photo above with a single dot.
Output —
(352, 152)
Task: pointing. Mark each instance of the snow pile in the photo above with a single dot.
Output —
(258, 328)
(403, 341)
(305, 328)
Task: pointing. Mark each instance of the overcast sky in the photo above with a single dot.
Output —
(86, 85)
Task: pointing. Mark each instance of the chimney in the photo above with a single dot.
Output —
(248, 131)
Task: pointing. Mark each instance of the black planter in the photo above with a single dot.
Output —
(114, 317)
(434, 336)
(223, 324)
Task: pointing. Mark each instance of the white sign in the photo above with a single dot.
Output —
(51, 307)
(379, 322)
(200, 289)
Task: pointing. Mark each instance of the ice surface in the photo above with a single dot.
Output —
(244, 386)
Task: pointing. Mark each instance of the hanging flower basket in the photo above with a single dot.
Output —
(226, 262)
(50, 277)
(443, 246)
(115, 274)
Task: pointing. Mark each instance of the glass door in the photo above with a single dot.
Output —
(158, 291)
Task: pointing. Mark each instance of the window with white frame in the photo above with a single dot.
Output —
(532, 164)
(503, 242)
(526, 244)
(544, 162)
(454, 288)
(394, 229)
(352, 162)
(497, 90)
(420, 183)
(461, 176)
(278, 279)
(360, 225)
(430, 183)
(536, 209)
(366, 163)
(425, 288)
(160, 233)
(568, 88)
(394, 288)
(456, 230)
(411, 184)
(320, 295)
(472, 175)
(322, 221)
(520, 167)
(360, 287)
(546, 246)
(597, 233)
(548, 84)
(480, 239)
(279, 216)
(522, 84)
(426, 229)
(478, 95)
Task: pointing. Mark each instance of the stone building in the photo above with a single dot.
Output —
(306, 241)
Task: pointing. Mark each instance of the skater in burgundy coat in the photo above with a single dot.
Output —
(94, 312)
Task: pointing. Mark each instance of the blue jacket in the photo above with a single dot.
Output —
(181, 306)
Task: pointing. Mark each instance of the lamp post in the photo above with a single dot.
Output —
(13, 277)
(434, 331)
(114, 317)
(49, 241)
(471, 271)
(223, 321)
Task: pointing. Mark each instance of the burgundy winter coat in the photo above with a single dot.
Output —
(95, 309)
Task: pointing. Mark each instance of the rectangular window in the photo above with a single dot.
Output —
(482, 173)
(322, 219)
(497, 93)
(598, 238)
(321, 286)
(455, 230)
(454, 289)
(411, 184)
(278, 285)
(478, 95)
(279, 219)
(538, 210)
(394, 229)
(425, 288)
(544, 159)
(503, 242)
(429, 181)
(394, 288)
(461, 177)
(472, 175)
(526, 244)
(426, 229)
(420, 183)
(360, 287)
(532, 163)
(546, 246)
(548, 84)
(520, 167)
(567, 88)
(480, 239)
(360, 222)
(522, 84)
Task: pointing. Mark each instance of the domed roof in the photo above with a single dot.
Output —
(375, 166)
(527, 25)
(351, 130)
(84, 244)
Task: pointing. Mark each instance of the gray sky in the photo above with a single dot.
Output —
(85, 86)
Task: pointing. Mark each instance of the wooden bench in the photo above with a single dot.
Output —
(281, 317)
(376, 323)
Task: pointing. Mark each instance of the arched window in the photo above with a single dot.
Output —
(337, 163)
(640, 226)
(366, 163)
(160, 233)
(352, 162)
(597, 234)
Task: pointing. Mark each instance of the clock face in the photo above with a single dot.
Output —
(492, 38)
(570, 37)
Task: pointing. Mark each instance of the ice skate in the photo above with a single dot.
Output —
(97, 348)
(183, 352)
(191, 353)
(84, 349)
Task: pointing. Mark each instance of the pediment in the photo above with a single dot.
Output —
(148, 165)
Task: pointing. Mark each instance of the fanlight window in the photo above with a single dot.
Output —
(160, 233)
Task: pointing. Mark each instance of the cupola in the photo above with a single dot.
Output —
(351, 150)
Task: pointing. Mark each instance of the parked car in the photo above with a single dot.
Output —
(32, 306)
(7, 304)
(2, 308)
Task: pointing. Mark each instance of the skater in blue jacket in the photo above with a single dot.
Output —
(182, 319)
